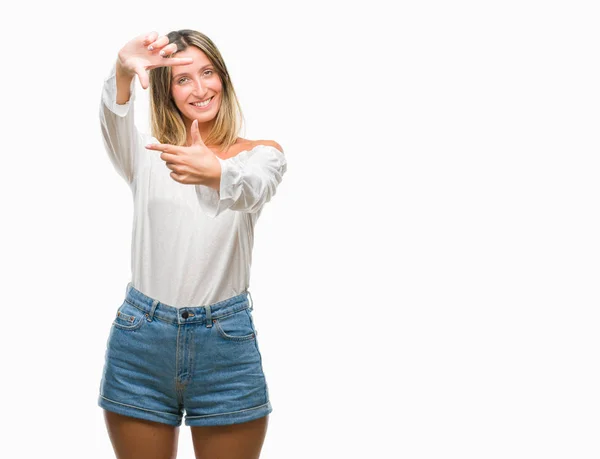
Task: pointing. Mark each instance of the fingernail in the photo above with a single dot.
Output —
(150, 48)
(162, 53)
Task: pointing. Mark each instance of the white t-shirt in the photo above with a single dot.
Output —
(191, 244)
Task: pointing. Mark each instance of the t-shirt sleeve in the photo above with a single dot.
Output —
(119, 134)
(248, 182)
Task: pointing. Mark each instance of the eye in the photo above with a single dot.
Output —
(181, 79)
(210, 72)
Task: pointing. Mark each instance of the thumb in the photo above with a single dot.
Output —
(143, 77)
(196, 137)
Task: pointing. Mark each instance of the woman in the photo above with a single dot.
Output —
(184, 339)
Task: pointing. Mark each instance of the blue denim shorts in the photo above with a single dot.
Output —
(161, 361)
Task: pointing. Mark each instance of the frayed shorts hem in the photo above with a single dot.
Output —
(140, 413)
(234, 417)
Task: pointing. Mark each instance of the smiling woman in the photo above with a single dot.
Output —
(184, 341)
(175, 91)
(197, 91)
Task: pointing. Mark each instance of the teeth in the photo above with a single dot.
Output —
(202, 104)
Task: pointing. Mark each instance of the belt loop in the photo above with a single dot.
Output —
(151, 315)
(208, 316)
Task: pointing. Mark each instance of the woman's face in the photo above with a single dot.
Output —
(196, 82)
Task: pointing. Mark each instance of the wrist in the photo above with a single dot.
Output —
(121, 70)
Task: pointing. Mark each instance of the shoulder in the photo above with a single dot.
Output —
(270, 143)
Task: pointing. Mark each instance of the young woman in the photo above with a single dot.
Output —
(184, 339)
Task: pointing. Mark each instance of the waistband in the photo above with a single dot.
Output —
(191, 314)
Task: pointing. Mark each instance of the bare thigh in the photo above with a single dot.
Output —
(134, 438)
(235, 441)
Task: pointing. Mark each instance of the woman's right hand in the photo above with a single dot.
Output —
(135, 57)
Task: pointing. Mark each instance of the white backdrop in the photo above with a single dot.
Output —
(426, 277)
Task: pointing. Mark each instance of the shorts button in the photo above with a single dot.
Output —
(185, 314)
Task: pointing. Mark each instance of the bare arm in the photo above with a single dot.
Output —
(123, 83)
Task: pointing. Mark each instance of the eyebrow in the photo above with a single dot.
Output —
(185, 73)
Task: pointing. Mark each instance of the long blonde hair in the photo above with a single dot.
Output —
(165, 118)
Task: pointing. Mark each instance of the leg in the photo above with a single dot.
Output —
(134, 438)
(235, 441)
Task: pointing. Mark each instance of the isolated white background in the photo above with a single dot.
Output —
(426, 278)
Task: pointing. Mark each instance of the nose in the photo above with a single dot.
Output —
(198, 88)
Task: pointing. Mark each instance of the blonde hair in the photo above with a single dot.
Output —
(165, 118)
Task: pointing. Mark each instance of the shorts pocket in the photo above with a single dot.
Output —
(129, 317)
(236, 327)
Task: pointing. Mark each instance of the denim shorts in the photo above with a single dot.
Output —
(161, 361)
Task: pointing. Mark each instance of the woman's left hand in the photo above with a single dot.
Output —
(193, 165)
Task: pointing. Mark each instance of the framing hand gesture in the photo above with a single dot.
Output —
(146, 52)
(193, 165)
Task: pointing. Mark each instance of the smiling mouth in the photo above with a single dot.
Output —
(205, 104)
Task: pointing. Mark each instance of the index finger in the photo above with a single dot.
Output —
(165, 147)
(171, 61)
